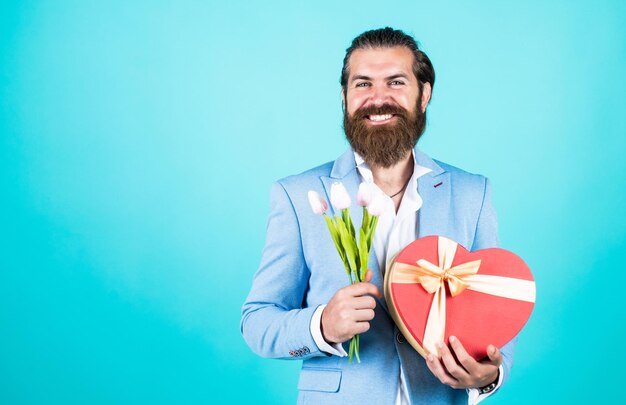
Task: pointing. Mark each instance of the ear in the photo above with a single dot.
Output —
(426, 92)
(343, 100)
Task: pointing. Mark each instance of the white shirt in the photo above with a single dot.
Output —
(393, 232)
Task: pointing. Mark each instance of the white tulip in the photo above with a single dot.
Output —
(318, 204)
(339, 197)
(364, 196)
(377, 205)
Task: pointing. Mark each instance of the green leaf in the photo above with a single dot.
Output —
(345, 215)
(334, 233)
(363, 254)
(372, 229)
(342, 232)
(348, 242)
(366, 219)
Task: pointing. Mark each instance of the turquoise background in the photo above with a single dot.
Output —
(139, 140)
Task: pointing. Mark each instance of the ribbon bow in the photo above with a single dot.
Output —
(433, 279)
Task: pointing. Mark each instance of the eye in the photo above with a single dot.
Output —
(362, 84)
(396, 83)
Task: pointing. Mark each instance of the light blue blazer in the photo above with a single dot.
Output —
(300, 270)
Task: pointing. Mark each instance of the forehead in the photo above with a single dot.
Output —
(373, 62)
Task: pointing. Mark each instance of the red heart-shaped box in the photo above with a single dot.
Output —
(475, 318)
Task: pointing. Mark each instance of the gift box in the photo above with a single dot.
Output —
(435, 288)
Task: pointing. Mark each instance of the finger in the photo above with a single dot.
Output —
(463, 357)
(364, 315)
(359, 289)
(495, 357)
(361, 327)
(364, 302)
(368, 277)
(449, 362)
(435, 367)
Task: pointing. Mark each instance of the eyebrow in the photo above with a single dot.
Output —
(394, 76)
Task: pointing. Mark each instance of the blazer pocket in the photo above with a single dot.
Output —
(319, 379)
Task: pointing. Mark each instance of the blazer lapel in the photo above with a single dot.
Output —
(433, 216)
(434, 188)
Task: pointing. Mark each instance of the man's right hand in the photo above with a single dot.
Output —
(349, 311)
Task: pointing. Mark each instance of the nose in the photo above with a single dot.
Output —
(380, 95)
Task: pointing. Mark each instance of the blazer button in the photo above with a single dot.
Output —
(291, 353)
(400, 338)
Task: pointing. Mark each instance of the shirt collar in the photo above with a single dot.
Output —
(366, 171)
(411, 201)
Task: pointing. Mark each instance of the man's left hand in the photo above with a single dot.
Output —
(466, 372)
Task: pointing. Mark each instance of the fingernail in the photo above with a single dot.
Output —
(439, 345)
(429, 357)
(452, 339)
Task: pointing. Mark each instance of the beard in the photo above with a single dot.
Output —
(387, 144)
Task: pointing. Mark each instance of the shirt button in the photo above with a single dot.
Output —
(400, 338)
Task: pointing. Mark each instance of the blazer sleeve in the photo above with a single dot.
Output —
(274, 323)
(486, 236)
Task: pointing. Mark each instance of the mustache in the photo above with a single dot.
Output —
(380, 110)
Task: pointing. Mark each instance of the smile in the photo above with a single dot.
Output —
(380, 119)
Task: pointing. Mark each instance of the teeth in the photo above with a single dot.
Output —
(380, 117)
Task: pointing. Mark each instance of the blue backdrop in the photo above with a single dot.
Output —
(138, 142)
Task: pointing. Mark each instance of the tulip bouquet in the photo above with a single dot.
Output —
(354, 252)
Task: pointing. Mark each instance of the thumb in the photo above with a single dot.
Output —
(367, 279)
(494, 355)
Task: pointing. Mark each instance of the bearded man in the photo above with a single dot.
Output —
(299, 306)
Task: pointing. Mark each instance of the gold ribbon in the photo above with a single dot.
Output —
(464, 276)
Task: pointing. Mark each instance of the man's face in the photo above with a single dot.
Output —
(383, 119)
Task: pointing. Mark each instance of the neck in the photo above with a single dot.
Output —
(391, 179)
